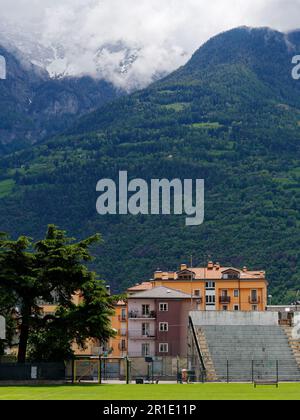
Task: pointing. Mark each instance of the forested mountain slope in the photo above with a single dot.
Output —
(230, 116)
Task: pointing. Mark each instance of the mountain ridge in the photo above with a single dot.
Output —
(236, 125)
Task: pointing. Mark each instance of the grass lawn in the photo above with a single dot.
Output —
(152, 392)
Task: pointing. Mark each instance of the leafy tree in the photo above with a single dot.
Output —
(54, 270)
(52, 336)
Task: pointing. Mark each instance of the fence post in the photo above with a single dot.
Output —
(152, 370)
(253, 371)
(277, 371)
(227, 368)
(127, 370)
(73, 371)
(100, 371)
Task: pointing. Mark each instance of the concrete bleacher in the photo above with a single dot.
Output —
(246, 347)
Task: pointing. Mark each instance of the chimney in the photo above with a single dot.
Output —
(183, 267)
(210, 265)
(217, 266)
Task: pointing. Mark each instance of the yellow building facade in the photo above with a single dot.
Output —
(118, 344)
(218, 288)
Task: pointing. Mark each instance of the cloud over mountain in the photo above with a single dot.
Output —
(130, 42)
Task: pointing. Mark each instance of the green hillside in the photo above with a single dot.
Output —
(230, 116)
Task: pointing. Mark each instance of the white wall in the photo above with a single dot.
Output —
(135, 339)
(296, 329)
(234, 318)
(136, 304)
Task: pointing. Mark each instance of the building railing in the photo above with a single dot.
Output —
(139, 315)
(224, 299)
(254, 300)
(136, 336)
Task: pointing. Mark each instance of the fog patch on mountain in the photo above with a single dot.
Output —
(129, 42)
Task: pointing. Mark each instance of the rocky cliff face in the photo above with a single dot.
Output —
(33, 106)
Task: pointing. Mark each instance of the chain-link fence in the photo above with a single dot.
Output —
(130, 370)
(242, 370)
(153, 369)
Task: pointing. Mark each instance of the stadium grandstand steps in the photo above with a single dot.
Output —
(246, 353)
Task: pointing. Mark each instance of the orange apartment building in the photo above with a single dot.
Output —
(216, 288)
(118, 344)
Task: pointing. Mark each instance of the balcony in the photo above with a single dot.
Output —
(122, 318)
(224, 299)
(254, 300)
(136, 336)
(140, 315)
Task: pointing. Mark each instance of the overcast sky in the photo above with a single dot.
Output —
(165, 32)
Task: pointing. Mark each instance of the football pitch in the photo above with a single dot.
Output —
(152, 392)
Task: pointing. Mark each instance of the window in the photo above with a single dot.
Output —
(236, 293)
(236, 308)
(145, 330)
(225, 308)
(197, 293)
(253, 295)
(163, 307)
(145, 310)
(224, 293)
(210, 300)
(210, 285)
(231, 275)
(254, 308)
(185, 277)
(163, 327)
(123, 314)
(123, 345)
(145, 349)
(163, 348)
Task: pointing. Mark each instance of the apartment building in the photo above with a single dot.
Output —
(158, 322)
(144, 328)
(118, 344)
(218, 288)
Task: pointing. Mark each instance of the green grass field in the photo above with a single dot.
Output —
(152, 392)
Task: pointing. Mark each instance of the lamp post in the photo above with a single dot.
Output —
(270, 299)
